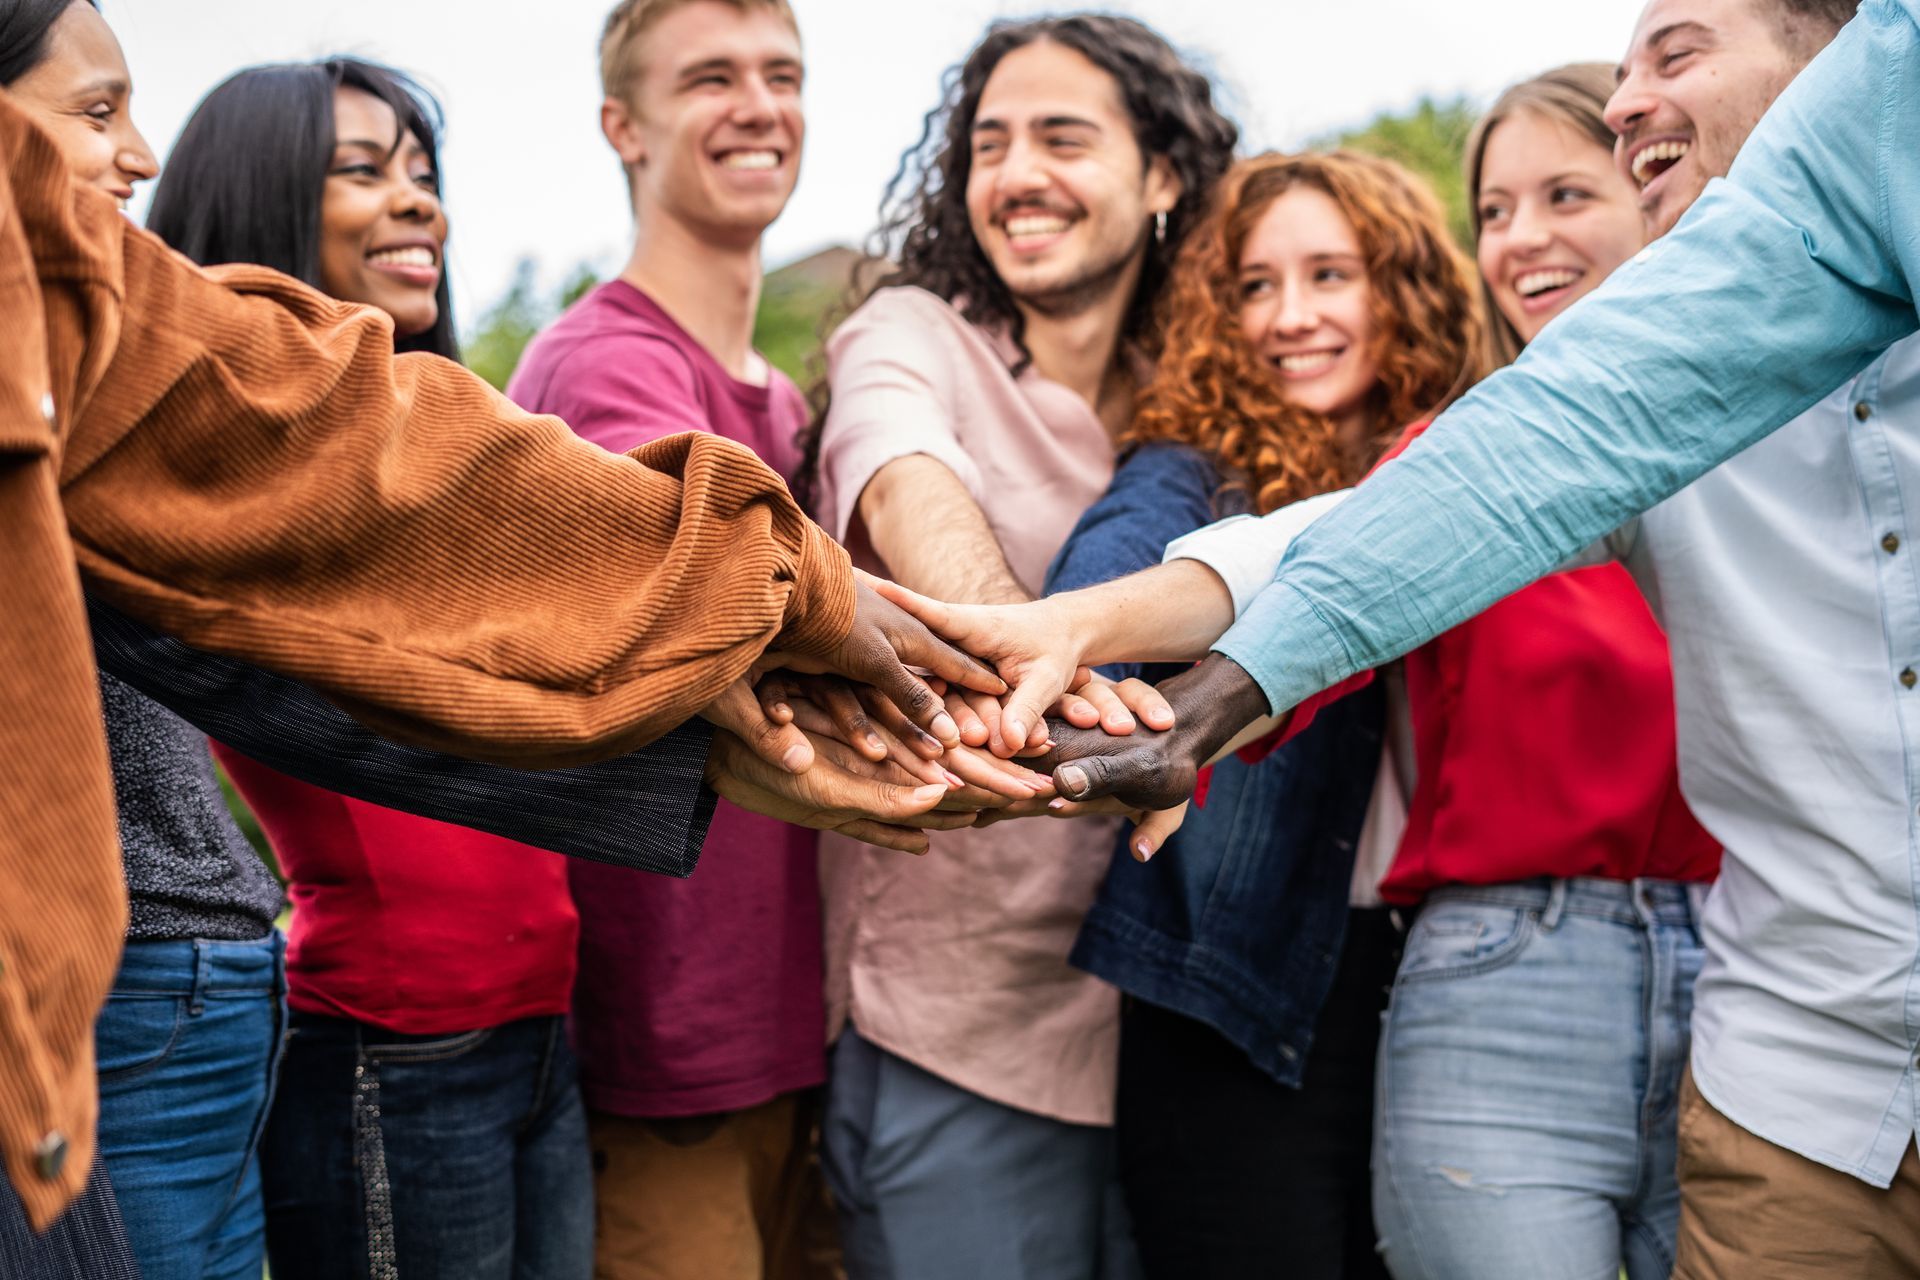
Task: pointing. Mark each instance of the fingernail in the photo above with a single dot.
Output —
(1014, 730)
(954, 780)
(944, 729)
(873, 741)
(795, 759)
(1072, 779)
(930, 793)
(928, 740)
(1142, 850)
(1056, 805)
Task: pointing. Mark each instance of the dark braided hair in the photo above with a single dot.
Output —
(924, 228)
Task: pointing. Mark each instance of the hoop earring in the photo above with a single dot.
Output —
(1160, 227)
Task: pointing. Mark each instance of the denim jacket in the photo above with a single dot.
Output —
(1239, 921)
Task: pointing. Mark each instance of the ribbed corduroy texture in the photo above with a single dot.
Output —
(244, 463)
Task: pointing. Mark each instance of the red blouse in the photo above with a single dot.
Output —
(1543, 743)
(413, 925)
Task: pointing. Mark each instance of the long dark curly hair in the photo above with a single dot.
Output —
(924, 228)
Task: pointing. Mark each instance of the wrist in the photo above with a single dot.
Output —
(1212, 701)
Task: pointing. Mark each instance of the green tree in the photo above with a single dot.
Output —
(493, 348)
(1430, 140)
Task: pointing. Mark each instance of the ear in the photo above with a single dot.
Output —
(1163, 186)
(623, 132)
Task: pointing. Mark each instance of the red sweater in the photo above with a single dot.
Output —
(1543, 743)
(413, 925)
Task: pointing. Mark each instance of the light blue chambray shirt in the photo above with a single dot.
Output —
(1788, 579)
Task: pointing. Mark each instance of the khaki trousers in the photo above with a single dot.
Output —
(734, 1196)
(1752, 1211)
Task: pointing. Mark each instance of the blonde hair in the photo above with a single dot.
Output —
(619, 68)
(1574, 95)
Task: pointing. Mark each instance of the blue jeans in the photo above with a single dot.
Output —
(934, 1182)
(187, 1045)
(420, 1156)
(1530, 1069)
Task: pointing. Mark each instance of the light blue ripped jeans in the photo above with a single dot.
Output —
(1530, 1067)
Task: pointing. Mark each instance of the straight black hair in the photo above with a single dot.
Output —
(245, 179)
(24, 25)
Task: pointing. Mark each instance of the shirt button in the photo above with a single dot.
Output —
(50, 1155)
(1863, 411)
(1909, 679)
(1890, 543)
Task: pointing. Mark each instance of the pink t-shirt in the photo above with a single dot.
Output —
(703, 994)
(957, 962)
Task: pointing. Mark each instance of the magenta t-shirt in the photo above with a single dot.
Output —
(702, 994)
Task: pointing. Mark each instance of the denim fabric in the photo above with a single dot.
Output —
(1530, 1070)
(934, 1182)
(428, 1157)
(1239, 922)
(87, 1242)
(187, 1045)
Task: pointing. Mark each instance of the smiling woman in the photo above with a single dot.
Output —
(328, 171)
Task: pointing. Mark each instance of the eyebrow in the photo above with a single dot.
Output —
(111, 84)
(1660, 37)
(1045, 122)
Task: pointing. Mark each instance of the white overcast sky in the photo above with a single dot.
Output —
(527, 173)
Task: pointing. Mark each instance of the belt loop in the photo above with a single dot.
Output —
(1556, 904)
(202, 978)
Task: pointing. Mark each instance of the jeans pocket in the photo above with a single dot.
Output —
(1460, 939)
(136, 1033)
(428, 1048)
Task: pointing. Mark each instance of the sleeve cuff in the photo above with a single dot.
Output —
(1286, 646)
(820, 610)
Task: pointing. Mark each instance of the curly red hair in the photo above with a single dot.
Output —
(1211, 391)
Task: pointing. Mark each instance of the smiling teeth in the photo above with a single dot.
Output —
(1035, 226)
(751, 160)
(1534, 282)
(417, 256)
(1646, 156)
(1308, 362)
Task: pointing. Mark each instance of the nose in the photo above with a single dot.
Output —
(753, 106)
(1630, 104)
(1527, 230)
(1296, 313)
(414, 202)
(1021, 171)
(135, 158)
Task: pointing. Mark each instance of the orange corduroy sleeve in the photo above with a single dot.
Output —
(255, 472)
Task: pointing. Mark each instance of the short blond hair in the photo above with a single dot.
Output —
(630, 20)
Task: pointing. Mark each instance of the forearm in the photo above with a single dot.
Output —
(932, 535)
(1170, 613)
(454, 571)
(647, 810)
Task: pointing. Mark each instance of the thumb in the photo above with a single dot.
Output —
(1092, 777)
(1153, 829)
(1027, 705)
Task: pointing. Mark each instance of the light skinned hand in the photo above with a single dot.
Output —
(1114, 707)
(1032, 646)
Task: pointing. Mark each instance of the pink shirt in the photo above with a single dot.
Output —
(695, 995)
(957, 961)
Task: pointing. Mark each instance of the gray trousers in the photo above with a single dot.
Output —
(933, 1182)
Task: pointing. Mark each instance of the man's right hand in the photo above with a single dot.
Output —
(873, 801)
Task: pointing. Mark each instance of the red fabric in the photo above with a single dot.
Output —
(697, 995)
(1543, 743)
(409, 924)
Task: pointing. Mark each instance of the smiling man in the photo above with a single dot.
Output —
(975, 399)
(697, 1011)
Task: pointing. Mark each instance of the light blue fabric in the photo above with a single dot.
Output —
(1780, 283)
(1786, 578)
(1530, 1067)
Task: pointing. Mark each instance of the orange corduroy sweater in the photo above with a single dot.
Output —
(236, 459)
